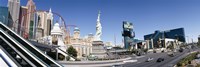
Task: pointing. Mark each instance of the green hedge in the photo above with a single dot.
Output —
(187, 59)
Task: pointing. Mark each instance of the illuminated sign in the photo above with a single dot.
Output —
(127, 26)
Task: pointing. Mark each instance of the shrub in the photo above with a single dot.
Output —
(72, 51)
(61, 57)
(187, 59)
(145, 50)
(78, 59)
(67, 58)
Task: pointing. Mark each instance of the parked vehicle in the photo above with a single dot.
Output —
(160, 59)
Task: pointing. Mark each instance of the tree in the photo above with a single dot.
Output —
(71, 51)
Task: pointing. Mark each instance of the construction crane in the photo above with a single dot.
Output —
(67, 38)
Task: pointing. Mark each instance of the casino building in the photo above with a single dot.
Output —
(162, 39)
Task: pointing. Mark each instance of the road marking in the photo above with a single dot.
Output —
(140, 56)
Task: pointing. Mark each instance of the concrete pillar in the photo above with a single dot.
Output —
(57, 55)
(136, 46)
(152, 44)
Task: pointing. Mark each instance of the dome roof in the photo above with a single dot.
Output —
(76, 29)
(56, 24)
(56, 29)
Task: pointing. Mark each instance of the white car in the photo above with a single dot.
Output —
(149, 59)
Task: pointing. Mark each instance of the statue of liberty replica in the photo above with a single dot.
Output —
(98, 29)
(97, 45)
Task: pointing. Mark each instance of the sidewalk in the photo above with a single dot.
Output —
(93, 65)
(104, 63)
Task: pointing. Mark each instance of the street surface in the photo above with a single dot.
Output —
(139, 61)
(168, 61)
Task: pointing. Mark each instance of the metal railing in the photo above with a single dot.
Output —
(49, 61)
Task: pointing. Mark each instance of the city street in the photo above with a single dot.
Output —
(168, 61)
(99, 33)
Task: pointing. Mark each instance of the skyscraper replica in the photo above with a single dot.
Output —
(13, 8)
(44, 24)
(41, 25)
(23, 21)
(30, 19)
(49, 22)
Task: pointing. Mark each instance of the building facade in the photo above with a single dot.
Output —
(30, 18)
(82, 45)
(41, 20)
(13, 8)
(44, 24)
(4, 15)
(23, 22)
(158, 38)
(49, 23)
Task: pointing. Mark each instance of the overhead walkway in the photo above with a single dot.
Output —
(21, 52)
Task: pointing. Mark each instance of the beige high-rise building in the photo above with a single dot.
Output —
(45, 23)
(42, 22)
(13, 8)
(30, 18)
(49, 23)
(23, 21)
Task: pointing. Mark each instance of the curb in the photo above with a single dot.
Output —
(107, 61)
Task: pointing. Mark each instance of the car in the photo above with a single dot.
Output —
(138, 54)
(160, 59)
(171, 54)
(149, 59)
(181, 50)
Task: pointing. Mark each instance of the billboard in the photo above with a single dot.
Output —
(128, 29)
(128, 34)
(127, 26)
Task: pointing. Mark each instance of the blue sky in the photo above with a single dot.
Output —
(146, 15)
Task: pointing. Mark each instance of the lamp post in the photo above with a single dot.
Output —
(115, 46)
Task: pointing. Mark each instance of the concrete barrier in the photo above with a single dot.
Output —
(126, 61)
(104, 61)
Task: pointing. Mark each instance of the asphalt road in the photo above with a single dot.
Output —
(168, 61)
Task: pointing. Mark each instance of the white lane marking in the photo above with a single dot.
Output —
(140, 56)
